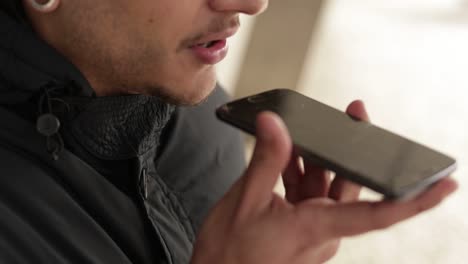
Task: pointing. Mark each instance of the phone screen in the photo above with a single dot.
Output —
(381, 160)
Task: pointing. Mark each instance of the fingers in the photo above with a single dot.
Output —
(357, 110)
(341, 189)
(304, 181)
(349, 219)
(292, 177)
(316, 181)
(271, 155)
(344, 191)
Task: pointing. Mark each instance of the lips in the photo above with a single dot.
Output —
(212, 48)
(212, 52)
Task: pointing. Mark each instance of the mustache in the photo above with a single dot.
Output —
(216, 26)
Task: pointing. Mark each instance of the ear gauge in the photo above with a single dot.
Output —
(48, 6)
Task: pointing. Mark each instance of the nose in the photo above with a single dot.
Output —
(249, 7)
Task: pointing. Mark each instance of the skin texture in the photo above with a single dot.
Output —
(140, 46)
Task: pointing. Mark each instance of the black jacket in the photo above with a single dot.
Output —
(83, 181)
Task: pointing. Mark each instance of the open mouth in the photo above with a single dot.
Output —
(211, 52)
(208, 45)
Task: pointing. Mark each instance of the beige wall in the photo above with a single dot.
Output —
(272, 53)
(228, 70)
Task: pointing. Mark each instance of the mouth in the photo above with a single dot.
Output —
(212, 48)
(209, 44)
(211, 52)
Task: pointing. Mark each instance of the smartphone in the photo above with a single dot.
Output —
(364, 153)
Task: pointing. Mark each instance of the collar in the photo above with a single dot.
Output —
(108, 128)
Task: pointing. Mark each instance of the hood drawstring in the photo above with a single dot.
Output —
(48, 124)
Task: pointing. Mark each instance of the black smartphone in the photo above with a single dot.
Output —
(364, 153)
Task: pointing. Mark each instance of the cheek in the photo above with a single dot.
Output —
(167, 19)
(175, 71)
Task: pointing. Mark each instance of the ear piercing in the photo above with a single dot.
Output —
(47, 6)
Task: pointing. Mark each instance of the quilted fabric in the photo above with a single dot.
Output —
(121, 127)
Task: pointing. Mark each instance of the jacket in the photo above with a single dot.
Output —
(101, 180)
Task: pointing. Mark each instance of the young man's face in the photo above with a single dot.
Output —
(162, 47)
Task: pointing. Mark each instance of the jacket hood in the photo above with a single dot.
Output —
(27, 63)
(64, 106)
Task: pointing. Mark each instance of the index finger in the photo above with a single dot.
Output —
(349, 219)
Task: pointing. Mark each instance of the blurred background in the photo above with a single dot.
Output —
(407, 59)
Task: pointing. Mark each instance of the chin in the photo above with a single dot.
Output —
(185, 95)
(197, 89)
(188, 89)
(198, 95)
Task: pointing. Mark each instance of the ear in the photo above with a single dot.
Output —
(43, 6)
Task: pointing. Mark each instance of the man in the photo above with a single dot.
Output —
(99, 166)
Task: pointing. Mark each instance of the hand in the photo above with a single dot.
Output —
(251, 224)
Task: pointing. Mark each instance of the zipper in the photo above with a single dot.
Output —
(144, 183)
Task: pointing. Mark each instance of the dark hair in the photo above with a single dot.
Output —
(13, 8)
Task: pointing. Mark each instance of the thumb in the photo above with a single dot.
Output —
(271, 156)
